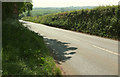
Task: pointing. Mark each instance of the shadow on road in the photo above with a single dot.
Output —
(60, 50)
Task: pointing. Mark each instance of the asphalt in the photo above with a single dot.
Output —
(79, 53)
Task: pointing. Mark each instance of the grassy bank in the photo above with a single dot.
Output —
(24, 52)
(101, 21)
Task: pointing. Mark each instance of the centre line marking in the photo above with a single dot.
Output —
(106, 50)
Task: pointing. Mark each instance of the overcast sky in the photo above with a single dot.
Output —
(66, 3)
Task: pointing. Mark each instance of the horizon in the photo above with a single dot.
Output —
(65, 7)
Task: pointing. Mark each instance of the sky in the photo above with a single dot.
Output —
(67, 3)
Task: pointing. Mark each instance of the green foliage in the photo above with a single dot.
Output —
(24, 52)
(28, 7)
(101, 21)
(13, 9)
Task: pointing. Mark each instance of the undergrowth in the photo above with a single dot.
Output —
(24, 52)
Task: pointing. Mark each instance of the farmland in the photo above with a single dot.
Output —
(49, 10)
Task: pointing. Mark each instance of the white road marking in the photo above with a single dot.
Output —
(112, 52)
(106, 50)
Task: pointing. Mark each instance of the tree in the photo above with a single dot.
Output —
(28, 7)
(13, 9)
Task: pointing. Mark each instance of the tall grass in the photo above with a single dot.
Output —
(24, 52)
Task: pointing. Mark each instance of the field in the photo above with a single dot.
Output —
(101, 21)
(50, 10)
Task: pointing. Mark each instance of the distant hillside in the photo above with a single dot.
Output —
(48, 10)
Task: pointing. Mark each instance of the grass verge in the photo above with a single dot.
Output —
(24, 52)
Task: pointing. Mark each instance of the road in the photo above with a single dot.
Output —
(79, 53)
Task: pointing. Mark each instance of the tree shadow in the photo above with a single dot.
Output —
(60, 51)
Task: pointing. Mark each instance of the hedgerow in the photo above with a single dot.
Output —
(101, 21)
